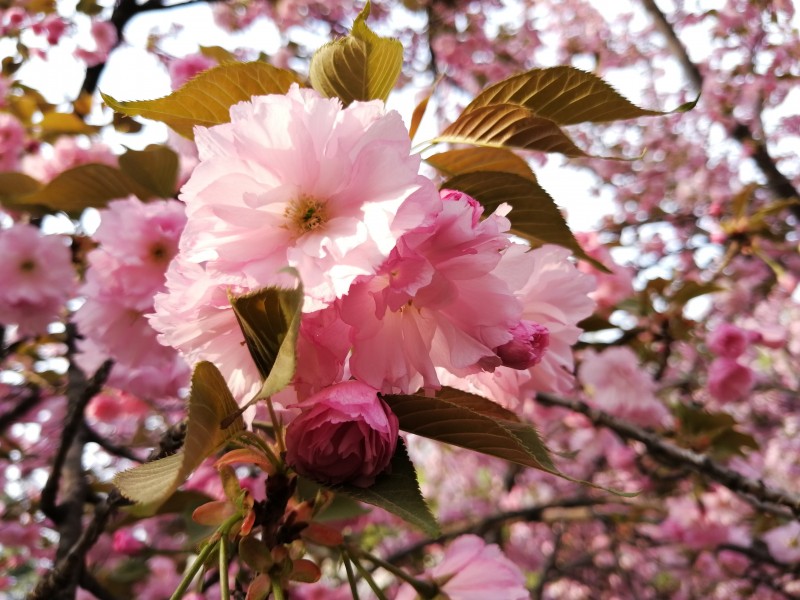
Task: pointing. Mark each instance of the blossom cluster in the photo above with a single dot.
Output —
(405, 288)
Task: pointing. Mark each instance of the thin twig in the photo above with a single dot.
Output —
(772, 499)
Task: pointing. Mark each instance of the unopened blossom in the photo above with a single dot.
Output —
(527, 347)
(344, 434)
(784, 542)
(616, 382)
(298, 180)
(37, 278)
(473, 570)
(729, 380)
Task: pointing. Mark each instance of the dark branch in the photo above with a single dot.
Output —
(769, 498)
(780, 185)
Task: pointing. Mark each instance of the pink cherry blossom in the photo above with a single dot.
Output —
(37, 275)
(728, 341)
(297, 180)
(729, 380)
(345, 433)
(183, 69)
(616, 382)
(427, 305)
(105, 39)
(784, 542)
(473, 570)
(137, 242)
(67, 153)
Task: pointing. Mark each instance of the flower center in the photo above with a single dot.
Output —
(27, 266)
(306, 214)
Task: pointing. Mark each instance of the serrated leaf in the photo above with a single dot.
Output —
(397, 491)
(84, 186)
(446, 420)
(359, 66)
(219, 54)
(463, 422)
(565, 95)
(206, 99)
(210, 402)
(534, 214)
(270, 320)
(509, 126)
(155, 167)
(469, 160)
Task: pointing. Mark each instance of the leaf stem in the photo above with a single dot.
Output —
(423, 588)
(351, 577)
(369, 579)
(278, 428)
(224, 591)
(277, 590)
(196, 565)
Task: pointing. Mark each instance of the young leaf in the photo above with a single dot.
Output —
(468, 160)
(397, 491)
(84, 186)
(359, 66)
(534, 215)
(508, 126)
(270, 320)
(565, 95)
(210, 402)
(206, 99)
(155, 167)
(419, 111)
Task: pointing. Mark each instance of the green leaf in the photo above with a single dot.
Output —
(219, 54)
(54, 124)
(359, 66)
(565, 95)
(448, 420)
(84, 186)
(206, 99)
(471, 422)
(155, 167)
(397, 491)
(270, 320)
(508, 126)
(534, 215)
(469, 160)
(692, 289)
(210, 402)
(17, 184)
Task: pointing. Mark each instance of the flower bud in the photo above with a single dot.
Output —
(345, 433)
(526, 348)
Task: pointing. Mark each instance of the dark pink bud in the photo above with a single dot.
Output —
(345, 433)
(527, 347)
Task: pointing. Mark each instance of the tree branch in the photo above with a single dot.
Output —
(772, 499)
(780, 185)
